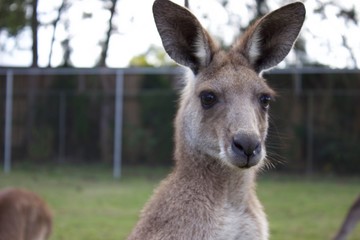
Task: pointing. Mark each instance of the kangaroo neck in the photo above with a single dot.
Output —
(228, 183)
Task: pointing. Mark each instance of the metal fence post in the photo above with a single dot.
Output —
(310, 134)
(119, 92)
(62, 125)
(8, 120)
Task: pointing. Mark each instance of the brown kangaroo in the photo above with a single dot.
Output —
(220, 128)
(23, 216)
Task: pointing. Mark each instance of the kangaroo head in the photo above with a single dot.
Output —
(224, 106)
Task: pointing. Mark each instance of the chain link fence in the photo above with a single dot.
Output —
(125, 117)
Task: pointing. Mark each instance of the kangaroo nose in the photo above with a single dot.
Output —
(247, 145)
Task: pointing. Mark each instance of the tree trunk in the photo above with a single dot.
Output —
(34, 29)
(186, 4)
(32, 87)
(104, 52)
(105, 143)
(55, 23)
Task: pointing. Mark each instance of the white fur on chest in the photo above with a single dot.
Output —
(237, 224)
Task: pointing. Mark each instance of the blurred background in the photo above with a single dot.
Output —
(87, 83)
(62, 58)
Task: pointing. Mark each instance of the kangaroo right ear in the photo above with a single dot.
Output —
(270, 39)
(182, 35)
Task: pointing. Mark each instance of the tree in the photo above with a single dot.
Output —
(105, 146)
(186, 4)
(34, 29)
(12, 16)
(105, 44)
(13, 20)
(348, 16)
(64, 5)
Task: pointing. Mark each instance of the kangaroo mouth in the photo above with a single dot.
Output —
(245, 162)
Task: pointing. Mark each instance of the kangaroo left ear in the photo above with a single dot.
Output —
(182, 35)
(270, 39)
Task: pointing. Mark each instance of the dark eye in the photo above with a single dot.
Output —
(208, 99)
(265, 100)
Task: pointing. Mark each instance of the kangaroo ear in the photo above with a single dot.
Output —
(182, 35)
(270, 39)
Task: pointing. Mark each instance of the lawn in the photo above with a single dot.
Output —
(89, 205)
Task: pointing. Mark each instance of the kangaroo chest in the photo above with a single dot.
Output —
(238, 223)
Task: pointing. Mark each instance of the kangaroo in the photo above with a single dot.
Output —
(220, 127)
(23, 216)
(350, 221)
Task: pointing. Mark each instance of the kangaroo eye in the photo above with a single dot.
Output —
(265, 101)
(208, 99)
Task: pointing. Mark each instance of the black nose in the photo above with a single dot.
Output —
(248, 145)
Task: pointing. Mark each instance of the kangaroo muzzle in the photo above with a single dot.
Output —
(246, 150)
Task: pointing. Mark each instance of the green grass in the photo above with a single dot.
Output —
(89, 205)
(307, 208)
